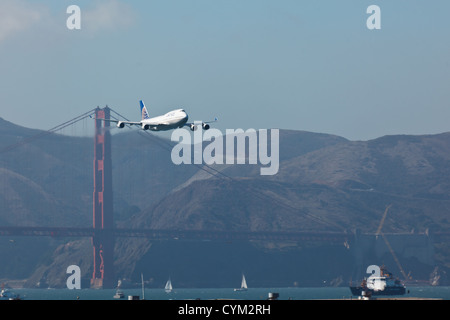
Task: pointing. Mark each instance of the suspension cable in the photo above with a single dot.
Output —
(41, 134)
(220, 175)
(167, 146)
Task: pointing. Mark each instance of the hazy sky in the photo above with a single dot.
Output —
(291, 64)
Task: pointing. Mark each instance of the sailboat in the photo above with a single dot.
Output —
(119, 293)
(143, 289)
(168, 288)
(243, 285)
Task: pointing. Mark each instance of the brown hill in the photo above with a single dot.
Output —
(335, 185)
(324, 182)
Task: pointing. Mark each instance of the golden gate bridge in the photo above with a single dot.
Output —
(103, 232)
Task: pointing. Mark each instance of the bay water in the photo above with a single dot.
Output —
(295, 293)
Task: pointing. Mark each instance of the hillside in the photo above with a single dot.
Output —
(325, 183)
(331, 184)
(339, 185)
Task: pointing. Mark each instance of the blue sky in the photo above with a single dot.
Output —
(302, 65)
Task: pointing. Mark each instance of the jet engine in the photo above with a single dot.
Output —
(205, 126)
(193, 127)
(145, 127)
(120, 124)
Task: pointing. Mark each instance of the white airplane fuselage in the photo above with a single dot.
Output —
(171, 120)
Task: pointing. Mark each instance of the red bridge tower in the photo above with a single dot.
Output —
(103, 238)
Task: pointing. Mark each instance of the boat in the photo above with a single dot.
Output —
(168, 288)
(5, 294)
(119, 293)
(243, 285)
(142, 284)
(384, 284)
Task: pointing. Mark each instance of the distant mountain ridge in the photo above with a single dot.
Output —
(324, 183)
(342, 182)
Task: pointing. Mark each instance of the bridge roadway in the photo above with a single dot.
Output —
(202, 235)
(175, 234)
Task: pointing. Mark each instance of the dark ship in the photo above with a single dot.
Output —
(385, 284)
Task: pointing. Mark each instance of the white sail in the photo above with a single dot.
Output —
(168, 286)
(243, 283)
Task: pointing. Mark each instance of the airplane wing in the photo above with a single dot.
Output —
(215, 120)
(190, 123)
(122, 123)
(205, 125)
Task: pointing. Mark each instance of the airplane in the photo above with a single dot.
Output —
(171, 120)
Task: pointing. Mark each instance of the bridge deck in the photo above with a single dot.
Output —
(174, 234)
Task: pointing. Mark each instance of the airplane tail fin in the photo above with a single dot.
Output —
(144, 112)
